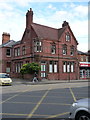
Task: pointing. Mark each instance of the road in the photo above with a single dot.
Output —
(23, 101)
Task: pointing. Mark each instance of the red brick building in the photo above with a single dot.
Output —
(54, 49)
(84, 64)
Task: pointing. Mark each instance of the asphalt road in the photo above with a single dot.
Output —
(40, 102)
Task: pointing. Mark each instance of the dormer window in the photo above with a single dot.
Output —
(68, 37)
(37, 46)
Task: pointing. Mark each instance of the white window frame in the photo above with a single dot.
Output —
(37, 46)
(64, 67)
(50, 67)
(72, 67)
(55, 67)
(68, 37)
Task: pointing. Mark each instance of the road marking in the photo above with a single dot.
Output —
(58, 115)
(14, 114)
(72, 94)
(14, 96)
(38, 104)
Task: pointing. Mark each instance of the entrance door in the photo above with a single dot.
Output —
(43, 69)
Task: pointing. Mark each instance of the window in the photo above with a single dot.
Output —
(43, 74)
(37, 46)
(17, 51)
(23, 50)
(64, 66)
(53, 49)
(43, 67)
(64, 49)
(8, 52)
(53, 67)
(18, 67)
(72, 50)
(82, 58)
(8, 66)
(72, 66)
(86, 58)
(68, 67)
(68, 38)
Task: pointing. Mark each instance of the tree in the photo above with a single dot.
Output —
(30, 68)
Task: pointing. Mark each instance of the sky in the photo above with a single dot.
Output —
(46, 12)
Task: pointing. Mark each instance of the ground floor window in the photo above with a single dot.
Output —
(68, 66)
(84, 73)
(43, 69)
(8, 67)
(53, 67)
(18, 67)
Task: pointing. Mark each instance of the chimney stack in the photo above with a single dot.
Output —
(5, 37)
(65, 24)
(29, 18)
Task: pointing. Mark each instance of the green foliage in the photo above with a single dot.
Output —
(30, 68)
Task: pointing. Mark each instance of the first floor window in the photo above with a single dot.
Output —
(53, 49)
(8, 52)
(23, 50)
(17, 51)
(72, 50)
(64, 49)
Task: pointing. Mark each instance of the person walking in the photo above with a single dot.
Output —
(35, 78)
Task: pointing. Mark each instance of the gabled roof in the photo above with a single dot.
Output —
(8, 44)
(45, 32)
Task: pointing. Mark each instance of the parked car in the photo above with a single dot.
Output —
(5, 79)
(80, 110)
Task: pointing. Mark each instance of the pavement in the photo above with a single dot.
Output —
(45, 81)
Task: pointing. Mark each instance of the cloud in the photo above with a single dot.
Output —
(12, 18)
(50, 6)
